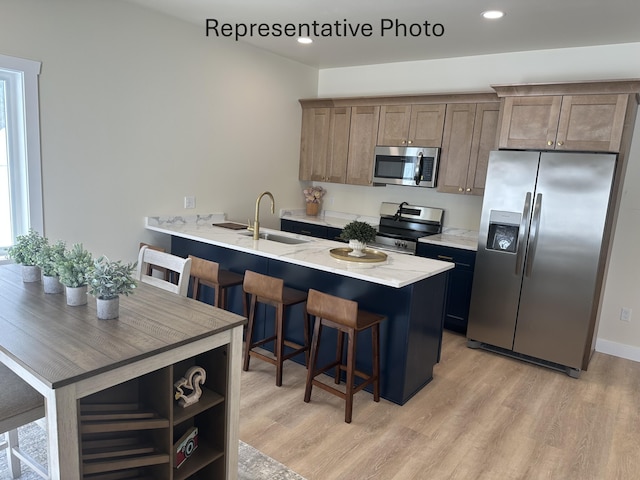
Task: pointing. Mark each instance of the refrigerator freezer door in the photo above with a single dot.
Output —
(511, 179)
(572, 195)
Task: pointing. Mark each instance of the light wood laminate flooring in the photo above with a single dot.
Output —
(483, 416)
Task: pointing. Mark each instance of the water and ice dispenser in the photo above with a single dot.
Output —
(503, 231)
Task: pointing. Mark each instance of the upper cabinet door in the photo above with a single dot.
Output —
(314, 143)
(530, 122)
(591, 122)
(362, 144)
(570, 122)
(338, 151)
(426, 125)
(393, 129)
(411, 125)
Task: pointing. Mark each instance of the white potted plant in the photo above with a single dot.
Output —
(47, 258)
(108, 280)
(359, 234)
(72, 268)
(24, 252)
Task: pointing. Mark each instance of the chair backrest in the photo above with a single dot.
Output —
(182, 266)
(330, 307)
(204, 269)
(270, 288)
(151, 268)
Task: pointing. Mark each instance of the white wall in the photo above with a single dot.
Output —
(139, 110)
(476, 74)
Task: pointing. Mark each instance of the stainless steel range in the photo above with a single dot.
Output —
(401, 225)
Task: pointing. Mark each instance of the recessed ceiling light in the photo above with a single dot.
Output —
(493, 14)
(304, 40)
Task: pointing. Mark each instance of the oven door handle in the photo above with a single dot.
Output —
(418, 171)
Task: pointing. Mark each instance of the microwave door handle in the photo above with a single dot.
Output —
(418, 171)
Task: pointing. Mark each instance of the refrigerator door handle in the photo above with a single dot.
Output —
(524, 221)
(533, 236)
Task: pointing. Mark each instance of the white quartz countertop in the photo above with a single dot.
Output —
(454, 237)
(397, 271)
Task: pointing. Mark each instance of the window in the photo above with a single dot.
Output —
(20, 170)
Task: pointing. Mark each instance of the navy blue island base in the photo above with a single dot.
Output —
(410, 337)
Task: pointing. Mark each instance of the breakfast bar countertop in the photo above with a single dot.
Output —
(397, 271)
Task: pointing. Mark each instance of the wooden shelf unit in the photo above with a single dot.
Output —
(129, 431)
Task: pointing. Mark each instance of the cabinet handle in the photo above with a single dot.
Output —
(445, 257)
(404, 141)
(410, 142)
(305, 232)
(468, 189)
(460, 189)
(550, 142)
(560, 143)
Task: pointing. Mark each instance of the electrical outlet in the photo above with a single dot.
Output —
(190, 202)
(625, 314)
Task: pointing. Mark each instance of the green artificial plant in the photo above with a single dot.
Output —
(48, 256)
(27, 247)
(72, 267)
(107, 279)
(357, 230)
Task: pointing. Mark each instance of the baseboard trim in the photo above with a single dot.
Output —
(618, 349)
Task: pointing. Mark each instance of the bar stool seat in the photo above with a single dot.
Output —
(271, 291)
(208, 273)
(20, 404)
(344, 316)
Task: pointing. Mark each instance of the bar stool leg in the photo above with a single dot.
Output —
(248, 339)
(311, 373)
(351, 368)
(339, 353)
(375, 338)
(307, 342)
(279, 347)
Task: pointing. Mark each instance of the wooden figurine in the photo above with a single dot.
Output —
(192, 380)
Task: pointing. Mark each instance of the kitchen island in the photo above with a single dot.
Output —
(409, 290)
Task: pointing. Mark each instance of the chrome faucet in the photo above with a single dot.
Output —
(256, 221)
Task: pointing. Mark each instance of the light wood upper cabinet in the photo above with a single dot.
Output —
(337, 144)
(406, 125)
(563, 122)
(324, 144)
(469, 136)
(362, 144)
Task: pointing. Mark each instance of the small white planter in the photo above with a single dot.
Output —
(357, 248)
(76, 296)
(52, 284)
(31, 273)
(108, 308)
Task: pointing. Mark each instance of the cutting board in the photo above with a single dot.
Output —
(230, 225)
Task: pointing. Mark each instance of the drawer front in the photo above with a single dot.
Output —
(302, 228)
(464, 259)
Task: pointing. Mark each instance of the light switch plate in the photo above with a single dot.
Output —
(190, 202)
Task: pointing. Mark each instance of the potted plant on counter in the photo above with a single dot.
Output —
(358, 234)
(24, 252)
(72, 268)
(47, 258)
(108, 280)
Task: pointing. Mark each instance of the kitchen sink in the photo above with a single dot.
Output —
(273, 237)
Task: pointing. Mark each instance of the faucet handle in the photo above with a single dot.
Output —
(249, 227)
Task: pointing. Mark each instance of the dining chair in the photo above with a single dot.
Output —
(20, 404)
(181, 267)
(151, 268)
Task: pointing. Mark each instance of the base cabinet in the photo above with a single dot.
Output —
(458, 299)
(133, 430)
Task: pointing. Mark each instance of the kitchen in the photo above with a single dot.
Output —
(113, 127)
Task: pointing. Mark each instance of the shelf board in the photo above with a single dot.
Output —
(208, 399)
(124, 462)
(101, 418)
(202, 456)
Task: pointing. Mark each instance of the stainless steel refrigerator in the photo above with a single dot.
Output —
(540, 260)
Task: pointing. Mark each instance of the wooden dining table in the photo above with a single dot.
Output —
(67, 354)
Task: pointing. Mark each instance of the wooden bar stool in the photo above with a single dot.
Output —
(344, 316)
(271, 291)
(20, 404)
(208, 273)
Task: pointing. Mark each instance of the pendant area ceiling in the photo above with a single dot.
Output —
(455, 28)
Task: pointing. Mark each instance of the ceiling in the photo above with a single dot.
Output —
(527, 25)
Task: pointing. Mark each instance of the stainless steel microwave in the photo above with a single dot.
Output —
(416, 166)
